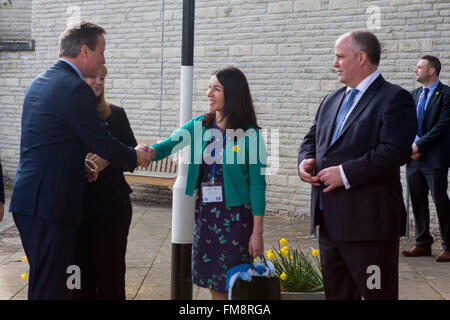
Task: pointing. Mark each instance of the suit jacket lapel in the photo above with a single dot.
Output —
(416, 95)
(361, 105)
(333, 113)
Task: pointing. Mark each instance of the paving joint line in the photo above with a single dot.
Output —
(426, 280)
(153, 261)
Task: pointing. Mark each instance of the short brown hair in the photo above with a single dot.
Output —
(366, 41)
(77, 35)
(433, 62)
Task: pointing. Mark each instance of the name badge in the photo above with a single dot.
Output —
(211, 192)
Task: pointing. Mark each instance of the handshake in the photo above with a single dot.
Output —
(145, 155)
(94, 164)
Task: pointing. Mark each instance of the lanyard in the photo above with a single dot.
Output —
(214, 153)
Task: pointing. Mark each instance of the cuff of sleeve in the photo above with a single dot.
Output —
(344, 177)
(258, 211)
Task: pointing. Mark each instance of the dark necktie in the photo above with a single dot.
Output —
(343, 113)
(421, 110)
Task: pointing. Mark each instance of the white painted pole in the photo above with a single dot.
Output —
(183, 207)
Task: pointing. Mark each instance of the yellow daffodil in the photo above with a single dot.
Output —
(236, 148)
(25, 259)
(284, 251)
(24, 275)
(270, 256)
(296, 269)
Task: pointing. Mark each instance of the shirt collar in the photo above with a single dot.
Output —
(73, 66)
(432, 87)
(365, 84)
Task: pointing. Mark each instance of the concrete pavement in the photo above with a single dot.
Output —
(149, 253)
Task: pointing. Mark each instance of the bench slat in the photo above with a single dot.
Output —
(162, 173)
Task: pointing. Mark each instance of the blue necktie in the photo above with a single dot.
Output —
(339, 121)
(421, 110)
(343, 113)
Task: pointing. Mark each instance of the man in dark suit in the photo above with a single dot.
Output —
(59, 126)
(427, 170)
(361, 135)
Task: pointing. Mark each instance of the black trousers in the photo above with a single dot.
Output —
(102, 243)
(353, 270)
(51, 251)
(422, 181)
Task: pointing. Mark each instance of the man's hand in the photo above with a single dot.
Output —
(144, 155)
(91, 170)
(415, 155)
(2, 211)
(331, 177)
(306, 172)
(99, 161)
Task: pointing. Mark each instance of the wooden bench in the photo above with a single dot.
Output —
(160, 173)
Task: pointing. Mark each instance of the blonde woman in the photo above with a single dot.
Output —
(107, 210)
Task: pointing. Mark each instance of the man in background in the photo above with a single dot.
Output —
(427, 170)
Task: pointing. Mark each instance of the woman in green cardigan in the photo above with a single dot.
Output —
(227, 166)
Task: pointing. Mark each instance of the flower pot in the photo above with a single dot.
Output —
(303, 295)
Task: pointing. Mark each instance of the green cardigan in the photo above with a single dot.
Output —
(244, 163)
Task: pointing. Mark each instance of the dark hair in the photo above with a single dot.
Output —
(238, 110)
(77, 35)
(366, 41)
(433, 62)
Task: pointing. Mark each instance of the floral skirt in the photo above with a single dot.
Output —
(220, 242)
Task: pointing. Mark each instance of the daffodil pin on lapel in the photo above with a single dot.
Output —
(236, 148)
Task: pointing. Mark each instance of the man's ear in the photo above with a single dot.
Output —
(431, 71)
(84, 51)
(362, 58)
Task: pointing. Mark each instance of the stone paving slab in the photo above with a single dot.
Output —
(149, 258)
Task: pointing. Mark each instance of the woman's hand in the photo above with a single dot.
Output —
(256, 245)
(256, 242)
(91, 170)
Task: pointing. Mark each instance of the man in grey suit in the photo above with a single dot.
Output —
(427, 170)
(361, 135)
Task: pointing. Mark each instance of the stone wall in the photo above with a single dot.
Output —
(284, 47)
(15, 20)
